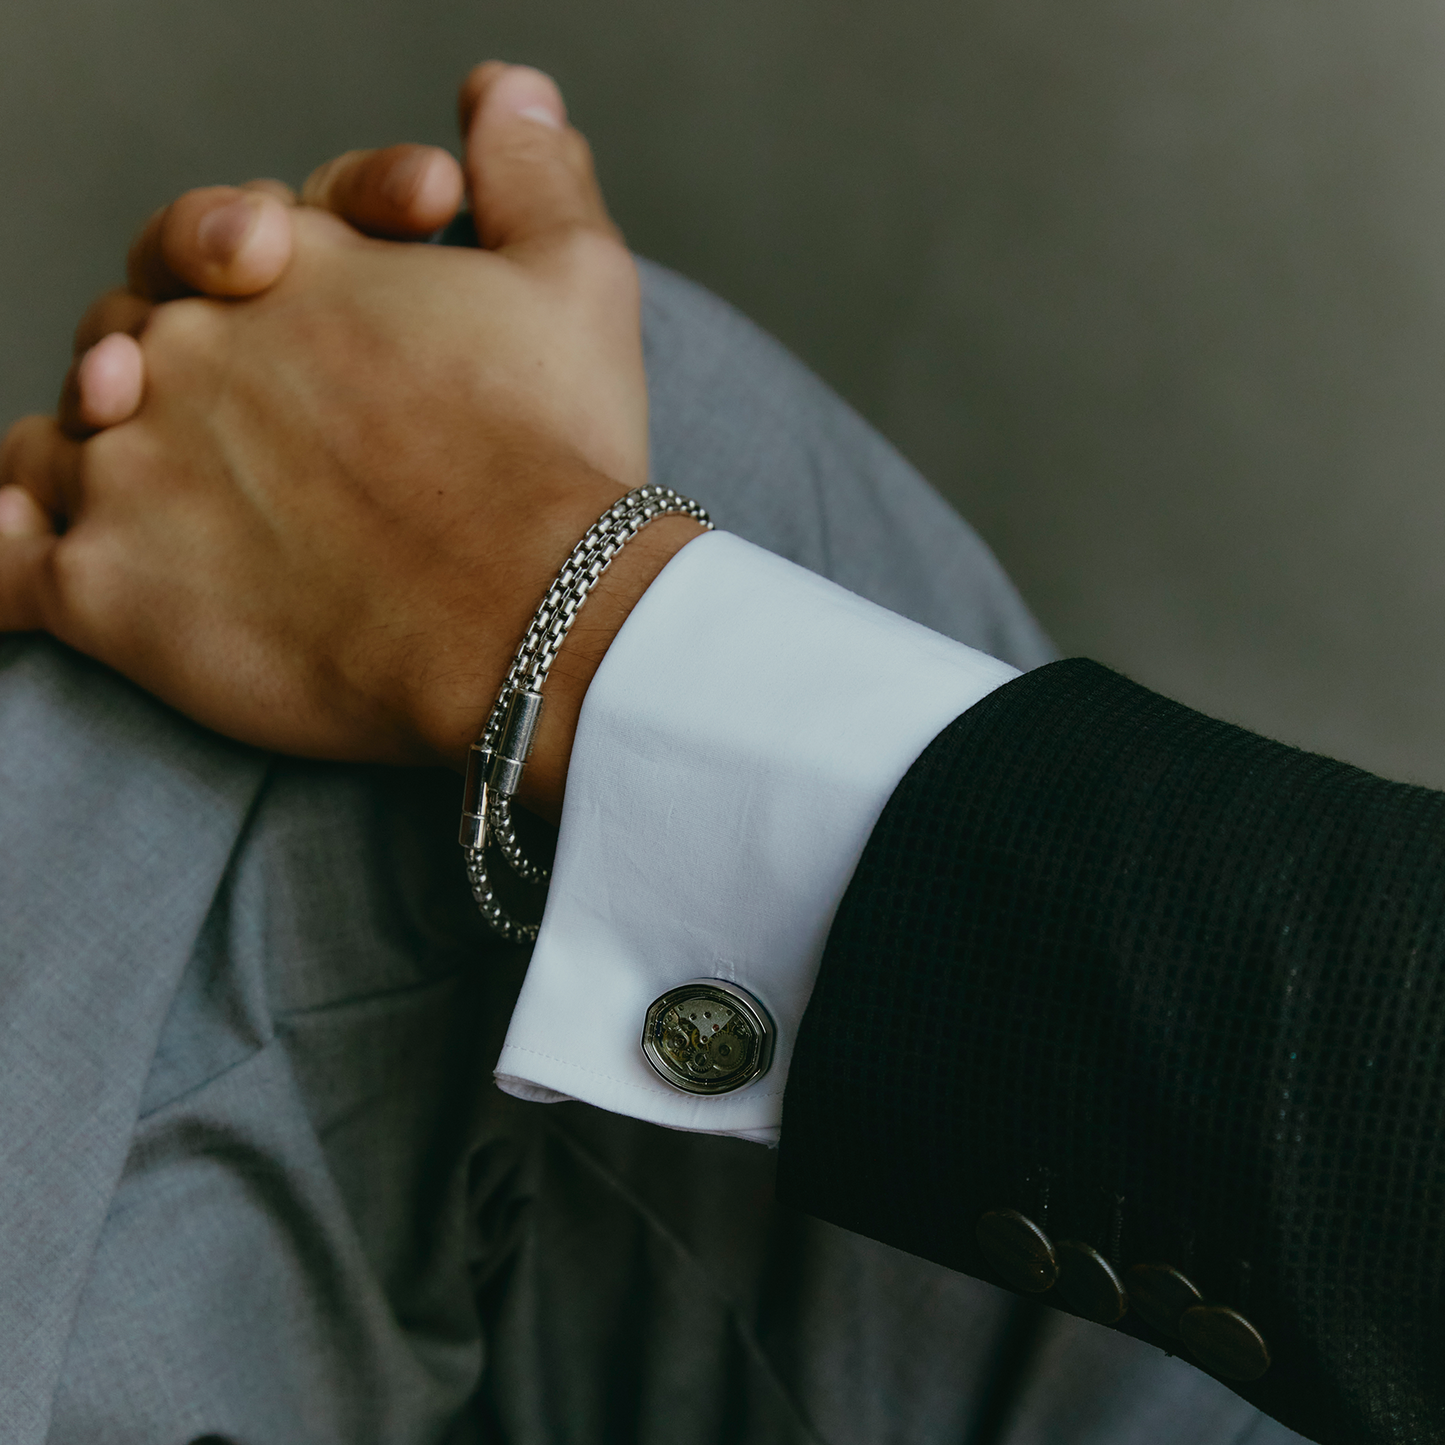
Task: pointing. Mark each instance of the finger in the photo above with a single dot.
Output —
(26, 575)
(103, 387)
(114, 311)
(404, 192)
(112, 379)
(37, 456)
(219, 241)
(267, 186)
(22, 516)
(528, 172)
(478, 82)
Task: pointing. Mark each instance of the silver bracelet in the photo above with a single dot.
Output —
(497, 758)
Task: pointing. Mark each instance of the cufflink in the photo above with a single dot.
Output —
(708, 1037)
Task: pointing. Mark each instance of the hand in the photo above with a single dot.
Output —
(328, 525)
(228, 241)
(236, 241)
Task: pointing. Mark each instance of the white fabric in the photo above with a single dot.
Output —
(735, 750)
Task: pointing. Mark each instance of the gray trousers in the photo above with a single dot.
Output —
(255, 1182)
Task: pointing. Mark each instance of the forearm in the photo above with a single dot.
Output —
(1103, 963)
(1165, 988)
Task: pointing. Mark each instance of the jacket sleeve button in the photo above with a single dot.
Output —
(1020, 1253)
(1089, 1283)
(1224, 1342)
(1159, 1294)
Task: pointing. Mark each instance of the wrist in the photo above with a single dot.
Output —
(497, 776)
(631, 572)
(456, 683)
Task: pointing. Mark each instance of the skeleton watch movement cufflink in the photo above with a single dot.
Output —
(708, 1037)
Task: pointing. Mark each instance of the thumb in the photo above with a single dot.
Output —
(529, 173)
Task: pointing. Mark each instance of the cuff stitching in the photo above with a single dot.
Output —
(656, 1092)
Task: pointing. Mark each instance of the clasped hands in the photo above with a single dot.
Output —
(309, 479)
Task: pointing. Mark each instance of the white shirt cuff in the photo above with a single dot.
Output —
(734, 752)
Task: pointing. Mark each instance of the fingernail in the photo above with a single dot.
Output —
(541, 115)
(533, 94)
(404, 178)
(220, 233)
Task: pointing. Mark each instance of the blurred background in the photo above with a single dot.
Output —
(1154, 293)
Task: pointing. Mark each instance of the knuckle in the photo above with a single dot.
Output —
(601, 263)
(528, 146)
(190, 330)
(123, 464)
(81, 575)
(82, 591)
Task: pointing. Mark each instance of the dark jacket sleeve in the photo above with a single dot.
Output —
(1174, 995)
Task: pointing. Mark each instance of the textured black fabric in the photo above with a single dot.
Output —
(1102, 946)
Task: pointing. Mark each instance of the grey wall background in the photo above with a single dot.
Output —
(1154, 290)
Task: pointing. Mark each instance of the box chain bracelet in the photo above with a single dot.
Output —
(497, 758)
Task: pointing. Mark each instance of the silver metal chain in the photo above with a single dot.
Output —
(497, 758)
